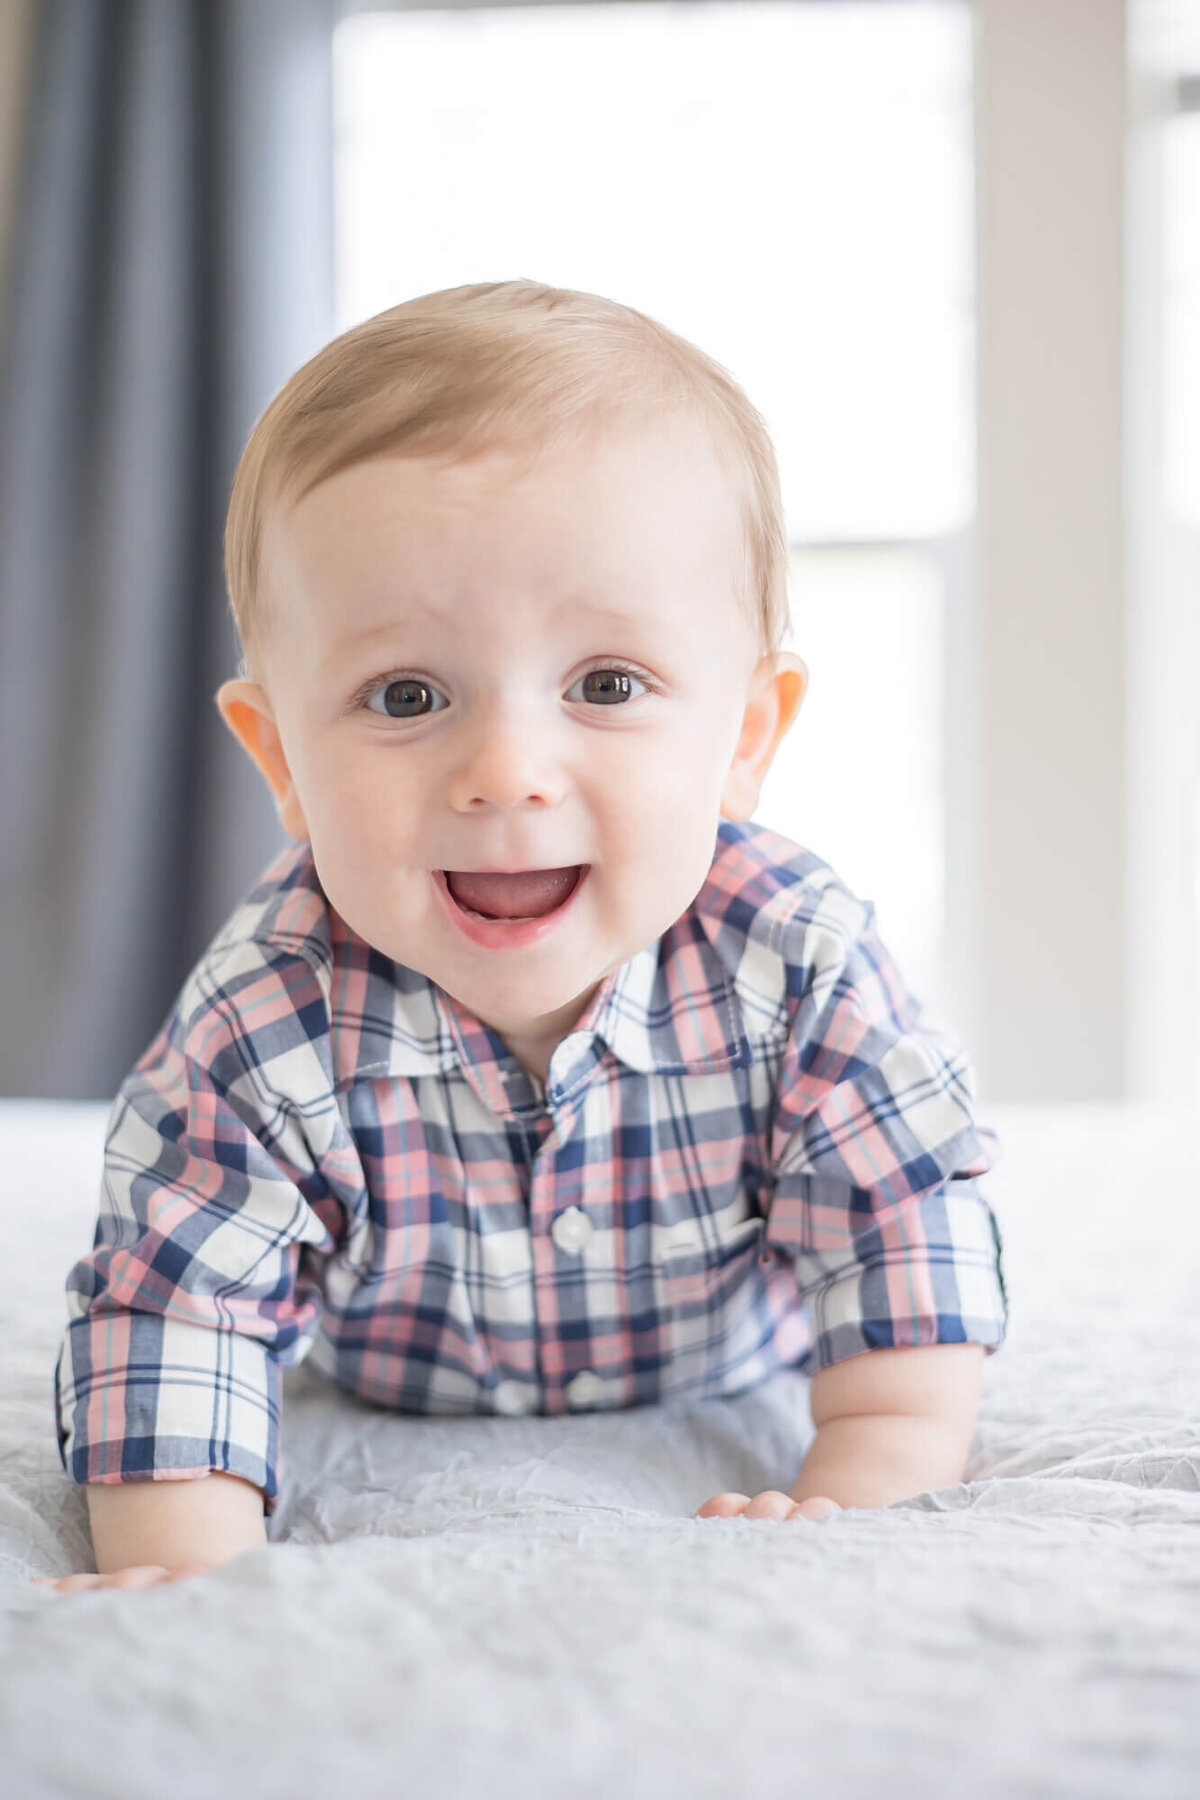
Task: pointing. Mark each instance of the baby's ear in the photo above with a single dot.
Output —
(247, 712)
(776, 691)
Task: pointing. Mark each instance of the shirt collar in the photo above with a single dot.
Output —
(669, 1010)
(674, 1008)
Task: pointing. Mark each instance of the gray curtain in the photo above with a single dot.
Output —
(170, 263)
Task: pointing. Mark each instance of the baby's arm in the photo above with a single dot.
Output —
(144, 1532)
(196, 1293)
(875, 1160)
(890, 1424)
(178, 1524)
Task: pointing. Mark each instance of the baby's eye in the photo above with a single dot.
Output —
(406, 698)
(606, 687)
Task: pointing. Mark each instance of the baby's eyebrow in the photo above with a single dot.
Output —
(574, 607)
(413, 610)
(615, 615)
(353, 648)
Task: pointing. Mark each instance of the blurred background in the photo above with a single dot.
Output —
(950, 248)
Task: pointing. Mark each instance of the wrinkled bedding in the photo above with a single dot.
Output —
(525, 1607)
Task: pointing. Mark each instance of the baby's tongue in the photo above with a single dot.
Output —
(523, 896)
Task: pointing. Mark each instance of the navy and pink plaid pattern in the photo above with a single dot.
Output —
(749, 1153)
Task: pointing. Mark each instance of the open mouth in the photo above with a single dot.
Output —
(512, 897)
(498, 910)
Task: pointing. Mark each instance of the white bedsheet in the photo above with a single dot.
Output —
(524, 1607)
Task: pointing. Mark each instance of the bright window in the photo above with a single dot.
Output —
(789, 186)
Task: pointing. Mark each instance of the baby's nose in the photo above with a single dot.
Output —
(506, 765)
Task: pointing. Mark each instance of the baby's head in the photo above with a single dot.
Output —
(509, 567)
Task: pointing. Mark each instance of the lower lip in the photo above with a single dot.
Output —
(505, 934)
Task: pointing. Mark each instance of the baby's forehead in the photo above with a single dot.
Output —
(647, 498)
(602, 531)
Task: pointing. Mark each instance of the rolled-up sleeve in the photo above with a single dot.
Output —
(214, 1212)
(876, 1157)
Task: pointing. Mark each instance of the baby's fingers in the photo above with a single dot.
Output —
(723, 1506)
(818, 1506)
(143, 1575)
(770, 1504)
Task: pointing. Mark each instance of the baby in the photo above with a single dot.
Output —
(531, 1077)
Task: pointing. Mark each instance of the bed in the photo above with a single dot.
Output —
(526, 1607)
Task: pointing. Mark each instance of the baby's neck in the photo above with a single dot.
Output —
(534, 1057)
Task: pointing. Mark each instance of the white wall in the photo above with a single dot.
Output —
(1051, 841)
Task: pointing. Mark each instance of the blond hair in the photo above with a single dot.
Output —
(498, 364)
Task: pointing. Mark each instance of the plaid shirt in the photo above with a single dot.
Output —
(749, 1153)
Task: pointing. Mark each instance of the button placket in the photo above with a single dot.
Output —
(561, 1232)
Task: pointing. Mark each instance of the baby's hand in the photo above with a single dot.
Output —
(768, 1505)
(143, 1575)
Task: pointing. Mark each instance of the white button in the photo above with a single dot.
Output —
(585, 1389)
(572, 1230)
(511, 1397)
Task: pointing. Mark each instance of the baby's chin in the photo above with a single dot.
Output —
(510, 989)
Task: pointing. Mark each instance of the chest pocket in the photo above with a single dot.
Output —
(703, 1257)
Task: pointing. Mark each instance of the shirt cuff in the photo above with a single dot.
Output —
(872, 1307)
(143, 1398)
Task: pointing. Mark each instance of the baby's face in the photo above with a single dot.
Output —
(489, 667)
